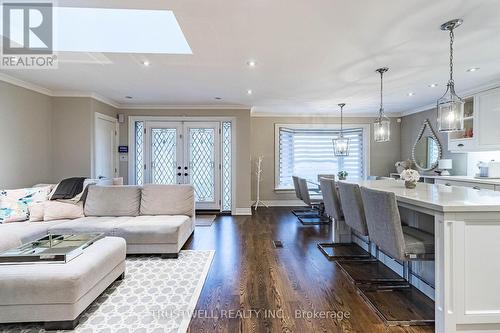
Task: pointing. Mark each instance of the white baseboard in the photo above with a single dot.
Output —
(243, 211)
(281, 203)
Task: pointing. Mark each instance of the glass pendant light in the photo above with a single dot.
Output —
(450, 107)
(382, 125)
(341, 144)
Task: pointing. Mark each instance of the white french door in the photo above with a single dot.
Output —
(185, 153)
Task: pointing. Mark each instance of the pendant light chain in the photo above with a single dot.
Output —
(452, 39)
(341, 120)
(381, 93)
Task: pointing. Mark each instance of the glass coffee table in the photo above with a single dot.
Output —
(57, 249)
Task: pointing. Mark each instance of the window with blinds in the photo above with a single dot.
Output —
(309, 152)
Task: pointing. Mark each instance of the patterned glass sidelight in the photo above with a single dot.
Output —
(163, 155)
(226, 166)
(139, 152)
(202, 163)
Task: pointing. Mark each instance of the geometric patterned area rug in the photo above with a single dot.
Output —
(157, 295)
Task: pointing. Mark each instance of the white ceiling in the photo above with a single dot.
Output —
(310, 55)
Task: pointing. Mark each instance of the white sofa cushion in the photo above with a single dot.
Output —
(113, 201)
(155, 229)
(90, 224)
(55, 210)
(9, 241)
(28, 231)
(167, 200)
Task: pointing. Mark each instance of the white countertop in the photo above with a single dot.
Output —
(467, 179)
(439, 197)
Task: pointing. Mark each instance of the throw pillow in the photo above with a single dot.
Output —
(56, 210)
(14, 203)
(36, 211)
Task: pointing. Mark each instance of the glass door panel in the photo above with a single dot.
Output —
(203, 158)
(163, 140)
(163, 155)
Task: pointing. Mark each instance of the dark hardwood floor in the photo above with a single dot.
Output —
(249, 273)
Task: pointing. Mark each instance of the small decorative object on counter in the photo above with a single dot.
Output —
(403, 165)
(483, 169)
(342, 175)
(444, 165)
(411, 177)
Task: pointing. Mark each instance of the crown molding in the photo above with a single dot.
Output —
(24, 84)
(57, 93)
(466, 93)
(97, 97)
(184, 107)
(257, 114)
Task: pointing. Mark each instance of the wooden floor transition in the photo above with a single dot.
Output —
(249, 274)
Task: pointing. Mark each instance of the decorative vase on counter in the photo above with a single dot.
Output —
(411, 177)
(410, 184)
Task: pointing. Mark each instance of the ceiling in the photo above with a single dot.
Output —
(311, 55)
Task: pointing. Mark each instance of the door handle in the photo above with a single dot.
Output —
(179, 167)
(460, 145)
(185, 168)
(185, 174)
(476, 187)
(179, 174)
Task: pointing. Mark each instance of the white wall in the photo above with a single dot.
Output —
(383, 156)
(45, 139)
(25, 137)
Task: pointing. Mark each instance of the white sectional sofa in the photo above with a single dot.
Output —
(153, 219)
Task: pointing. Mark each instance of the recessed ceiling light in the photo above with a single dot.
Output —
(249, 92)
(146, 63)
(128, 97)
(473, 69)
(433, 85)
(411, 94)
(251, 63)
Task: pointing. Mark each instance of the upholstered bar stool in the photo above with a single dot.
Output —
(341, 246)
(401, 243)
(354, 212)
(312, 200)
(364, 269)
(302, 212)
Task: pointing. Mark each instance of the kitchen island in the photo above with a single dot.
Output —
(467, 251)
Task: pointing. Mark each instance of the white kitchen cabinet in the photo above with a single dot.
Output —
(482, 114)
(487, 107)
(474, 185)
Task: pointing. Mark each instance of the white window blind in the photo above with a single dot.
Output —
(309, 152)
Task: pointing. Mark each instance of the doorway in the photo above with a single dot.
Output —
(203, 148)
(185, 153)
(105, 147)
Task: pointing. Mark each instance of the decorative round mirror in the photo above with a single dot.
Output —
(427, 149)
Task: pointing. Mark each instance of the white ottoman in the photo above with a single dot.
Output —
(57, 294)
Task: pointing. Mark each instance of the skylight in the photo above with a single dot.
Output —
(116, 30)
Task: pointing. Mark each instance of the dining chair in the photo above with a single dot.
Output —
(304, 211)
(312, 200)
